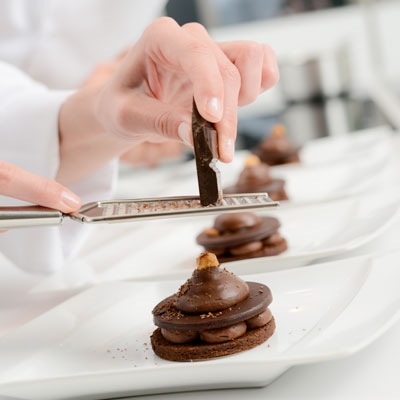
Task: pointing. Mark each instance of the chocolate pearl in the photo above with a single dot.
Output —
(260, 319)
(234, 221)
(221, 335)
(273, 239)
(178, 336)
(246, 248)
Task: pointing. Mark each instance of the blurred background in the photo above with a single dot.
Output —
(335, 57)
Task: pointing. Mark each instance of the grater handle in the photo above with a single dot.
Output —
(27, 216)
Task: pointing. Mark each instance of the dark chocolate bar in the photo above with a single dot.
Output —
(206, 153)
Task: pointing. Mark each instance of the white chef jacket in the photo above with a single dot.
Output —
(47, 48)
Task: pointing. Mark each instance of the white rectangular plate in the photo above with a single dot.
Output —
(168, 249)
(96, 345)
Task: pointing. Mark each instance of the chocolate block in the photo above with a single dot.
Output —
(206, 153)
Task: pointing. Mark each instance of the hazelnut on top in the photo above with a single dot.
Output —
(254, 174)
(210, 288)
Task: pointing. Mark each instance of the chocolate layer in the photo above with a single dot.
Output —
(266, 251)
(203, 351)
(265, 228)
(166, 315)
(210, 290)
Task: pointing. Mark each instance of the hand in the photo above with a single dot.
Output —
(20, 184)
(149, 96)
(151, 154)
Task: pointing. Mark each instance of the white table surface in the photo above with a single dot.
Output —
(370, 374)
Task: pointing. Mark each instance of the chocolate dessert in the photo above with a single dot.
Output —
(213, 314)
(255, 178)
(276, 149)
(242, 235)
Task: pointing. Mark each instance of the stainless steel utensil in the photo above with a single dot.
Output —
(132, 210)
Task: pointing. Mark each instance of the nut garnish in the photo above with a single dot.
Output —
(207, 260)
(278, 131)
(252, 161)
(211, 231)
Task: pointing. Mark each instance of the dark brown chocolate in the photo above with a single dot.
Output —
(277, 149)
(167, 316)
(205, 142)
(268, 250)
(236, 221)
(204, 351)
(267, 227)
(210, 290)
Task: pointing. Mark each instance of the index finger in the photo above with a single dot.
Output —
(23, 185)
(171, 47)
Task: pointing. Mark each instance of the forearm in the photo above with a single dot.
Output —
(85, 146)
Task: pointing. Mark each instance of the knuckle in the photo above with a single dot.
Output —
(271, 71)
(198, 47)
(160, 24)
(163, 124)
(195, 27)
(231, 74)
(253, 50)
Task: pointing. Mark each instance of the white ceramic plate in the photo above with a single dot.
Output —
(167, 249)
(374, 142)
(331, 168)
(96, 345)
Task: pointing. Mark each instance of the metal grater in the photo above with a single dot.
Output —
(132, 210)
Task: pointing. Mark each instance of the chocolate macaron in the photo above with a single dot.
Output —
(255, 178)
(213, 314)
(242, 235)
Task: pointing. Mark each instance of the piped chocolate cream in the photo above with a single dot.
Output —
(214, 313)
(241, 235)
(210, 289)
(276, 149)
(255, 178)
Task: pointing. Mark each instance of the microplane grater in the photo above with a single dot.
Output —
(127, 210)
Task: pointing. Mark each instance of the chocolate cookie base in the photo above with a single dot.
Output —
(266, 251)
(204, 351)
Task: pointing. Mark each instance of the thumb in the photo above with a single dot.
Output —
(23, 185)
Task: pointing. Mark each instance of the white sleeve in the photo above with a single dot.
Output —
(29, 139)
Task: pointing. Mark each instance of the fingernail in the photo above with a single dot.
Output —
(70, 200)
(185, 133)
(214, 107)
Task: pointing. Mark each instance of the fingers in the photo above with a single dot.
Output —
(257, 66)
(20, 184)
(151, 92)
(170, 46)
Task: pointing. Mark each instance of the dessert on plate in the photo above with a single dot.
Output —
(256, 178)
(242, 235)
(276, 149)
(213, 314)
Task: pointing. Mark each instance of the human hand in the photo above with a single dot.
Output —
(151, 154)
(20, 184)
(149, 97)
